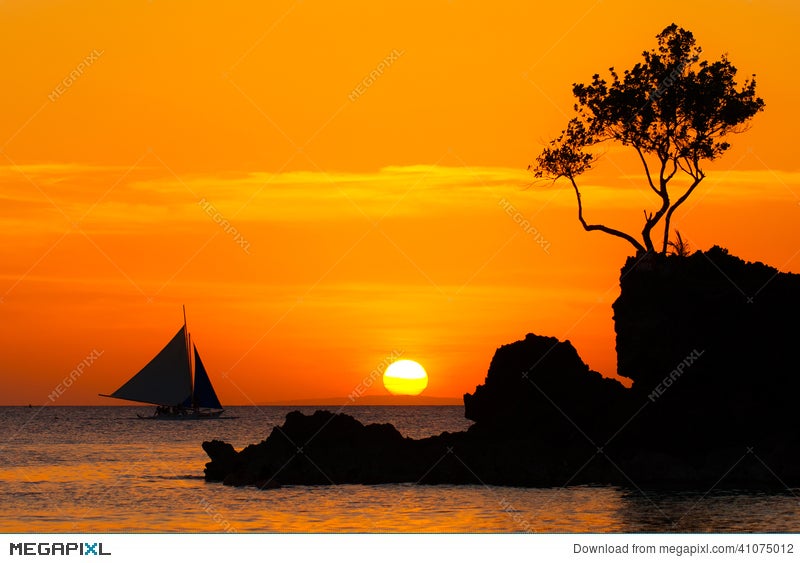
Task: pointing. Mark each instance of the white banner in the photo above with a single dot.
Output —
(402, 548)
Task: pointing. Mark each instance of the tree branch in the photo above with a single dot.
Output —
(674, 170)
(647, 169)
(652, 220)
(679, 201)
(614, 232)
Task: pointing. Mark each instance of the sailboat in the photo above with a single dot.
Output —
(166, 381)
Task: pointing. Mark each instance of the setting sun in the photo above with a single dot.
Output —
(335, 203)
(405, 377)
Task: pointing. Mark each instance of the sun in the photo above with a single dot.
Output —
(405, 377)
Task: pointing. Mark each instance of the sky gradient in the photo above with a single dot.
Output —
(327, 185)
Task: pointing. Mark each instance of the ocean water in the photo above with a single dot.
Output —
(100, 469)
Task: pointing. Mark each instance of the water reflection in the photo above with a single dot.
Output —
(102, 470)
(709, 511)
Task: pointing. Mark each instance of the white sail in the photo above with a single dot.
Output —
(166, 380)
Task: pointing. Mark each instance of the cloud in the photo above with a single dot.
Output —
(313, 196)
(119, 200)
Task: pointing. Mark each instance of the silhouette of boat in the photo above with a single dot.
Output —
(180, 388)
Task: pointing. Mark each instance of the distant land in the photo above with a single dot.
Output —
(370, 400)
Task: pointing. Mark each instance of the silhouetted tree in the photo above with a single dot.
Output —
(673, 109)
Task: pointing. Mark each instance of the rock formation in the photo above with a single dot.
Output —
(540, 387)
(529, 441)
(707, 340)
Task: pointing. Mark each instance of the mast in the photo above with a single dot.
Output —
(188, 353)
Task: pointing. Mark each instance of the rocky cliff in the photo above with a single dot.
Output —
(709, 342)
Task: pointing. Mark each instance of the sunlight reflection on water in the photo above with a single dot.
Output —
(100, 469)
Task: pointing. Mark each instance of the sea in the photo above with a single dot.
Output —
(102, 470)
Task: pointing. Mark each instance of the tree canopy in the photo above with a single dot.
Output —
(673, 109)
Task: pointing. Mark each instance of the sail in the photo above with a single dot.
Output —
(204, 395)
(166, 380)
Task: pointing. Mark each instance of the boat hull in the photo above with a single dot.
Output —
(187, 415)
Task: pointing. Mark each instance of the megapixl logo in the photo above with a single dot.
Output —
(48, 548)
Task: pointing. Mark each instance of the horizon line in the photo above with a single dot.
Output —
(369, 400)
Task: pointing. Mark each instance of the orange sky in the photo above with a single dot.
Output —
(372, 213)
